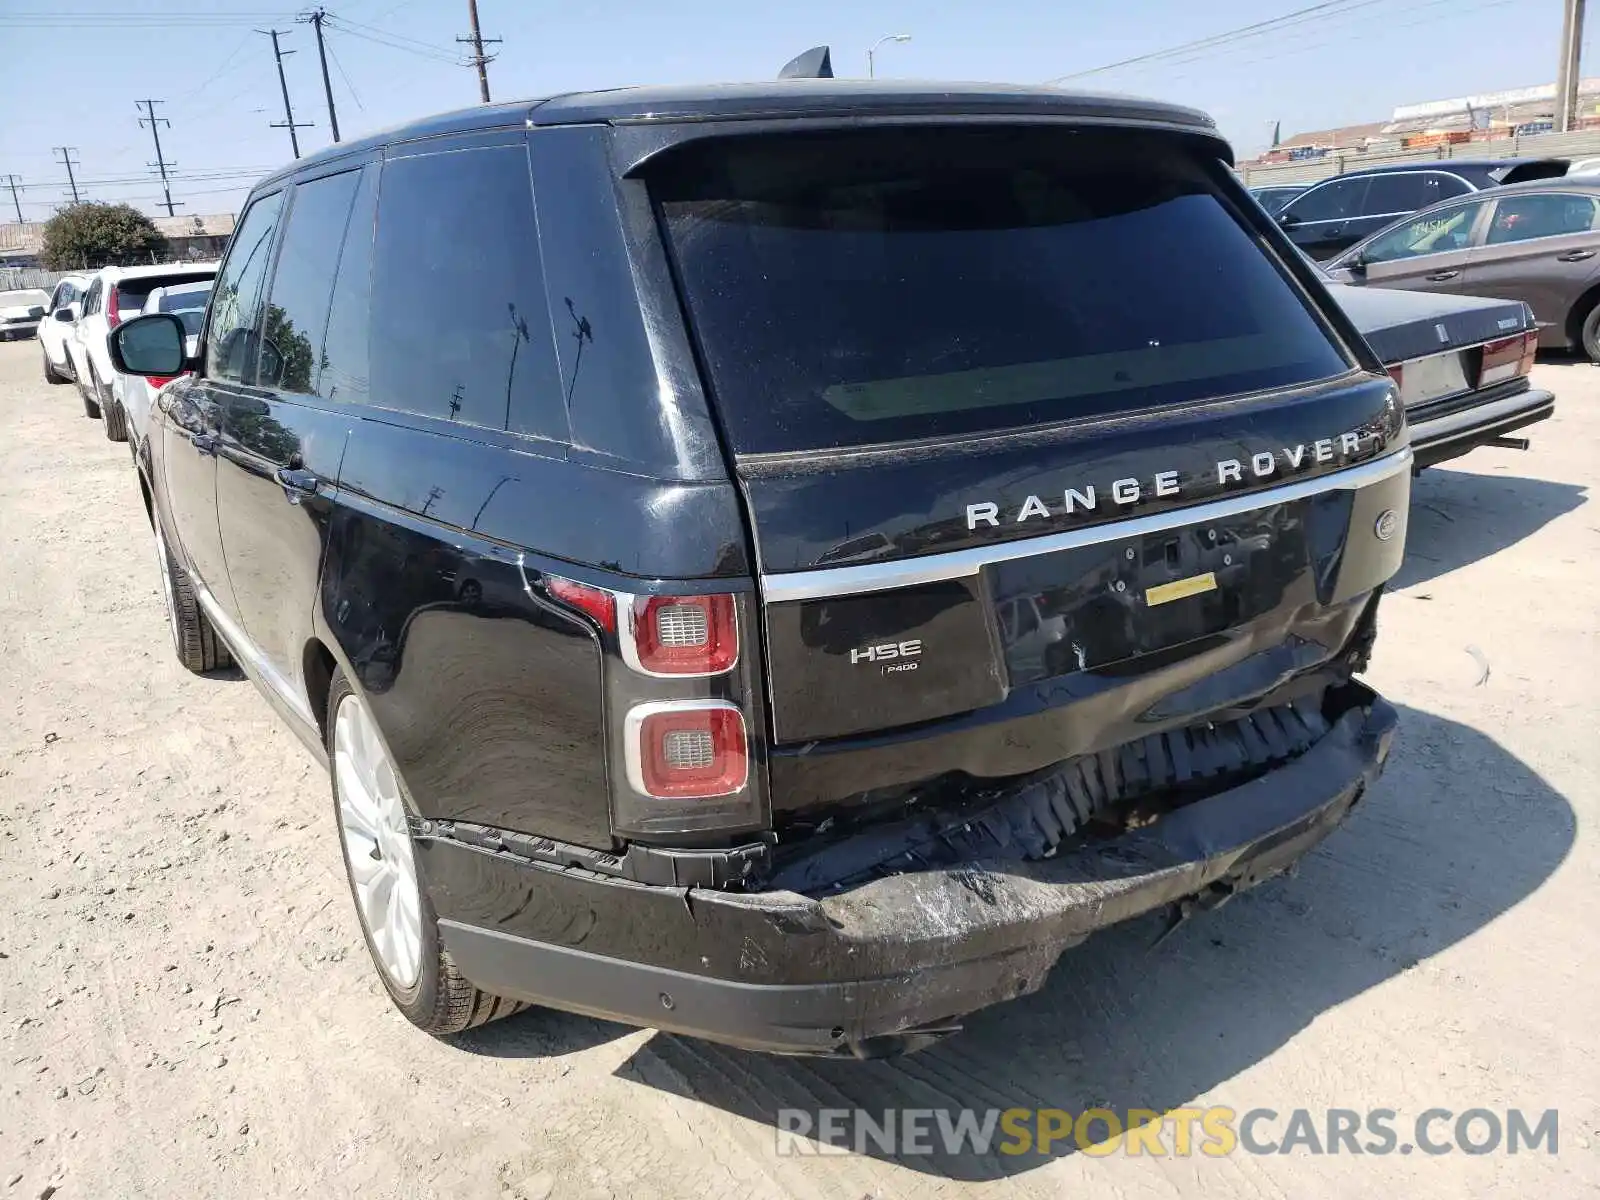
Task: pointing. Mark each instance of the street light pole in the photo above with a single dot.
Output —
(872, 68)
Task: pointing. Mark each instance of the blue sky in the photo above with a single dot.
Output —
(72, 69)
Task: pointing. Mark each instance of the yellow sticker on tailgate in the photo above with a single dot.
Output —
(1179, 588)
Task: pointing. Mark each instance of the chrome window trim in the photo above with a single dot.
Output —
(779, 587)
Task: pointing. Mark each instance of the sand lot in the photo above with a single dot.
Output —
(186, 1009)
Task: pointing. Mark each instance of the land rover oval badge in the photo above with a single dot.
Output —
(1388, 522)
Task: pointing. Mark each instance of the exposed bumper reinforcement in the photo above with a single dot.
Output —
(892, 963)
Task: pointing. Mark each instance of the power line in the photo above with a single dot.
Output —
(288, 110)
(420, 49)
(66, 161)
(161, 163)
(1327, 8)
(479, 59)
(339, 66)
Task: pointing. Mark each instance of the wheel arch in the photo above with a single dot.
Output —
(317, 667)
(1573, 326)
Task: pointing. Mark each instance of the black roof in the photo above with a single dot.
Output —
(780, 99)
(1451, 164)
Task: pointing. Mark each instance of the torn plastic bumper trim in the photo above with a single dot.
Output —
(891, 959)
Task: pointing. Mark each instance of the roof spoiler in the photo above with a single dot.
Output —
(815, 63)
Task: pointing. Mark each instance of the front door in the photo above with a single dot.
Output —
(283, 436)
(1431, 252)
(192, 431)
(1321, 219)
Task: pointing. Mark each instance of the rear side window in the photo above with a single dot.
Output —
(342, 369)
(1407, 191)
(460, 327)
(302, 285)
(883, 285)
(231, 336)
(1338, 199)
(1522, 218)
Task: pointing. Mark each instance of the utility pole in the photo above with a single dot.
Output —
(1567, 71)
(12, 181)
(317, 17)
(160, 164)
(288, 122)
(478, 58)
(66, 161)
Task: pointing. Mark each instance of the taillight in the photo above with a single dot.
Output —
(596, 602)
(681, 635)
(1507, 358)
(113, 317)
(686, 749)
(159, 381)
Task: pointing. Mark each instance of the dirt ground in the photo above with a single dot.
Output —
(186, 1008)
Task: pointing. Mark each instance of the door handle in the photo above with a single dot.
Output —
(1442, 275)
(1575, 256)
(298, 483)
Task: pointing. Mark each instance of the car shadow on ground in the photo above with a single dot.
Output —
(1125, 1024)
(1459, 517)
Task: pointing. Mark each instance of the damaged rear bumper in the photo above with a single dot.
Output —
(889, 964)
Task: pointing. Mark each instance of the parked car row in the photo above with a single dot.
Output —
(84, 309)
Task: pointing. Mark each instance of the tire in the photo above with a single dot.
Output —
(414, 967)
(51, 375)
(197, 645)
(1589, 334)
(116, 419)
(91, 406)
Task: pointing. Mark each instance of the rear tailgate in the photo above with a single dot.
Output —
(1001, 403)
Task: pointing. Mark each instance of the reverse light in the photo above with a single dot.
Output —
(686, 749)
(681, 635)
(595, 602)
(1507, 358)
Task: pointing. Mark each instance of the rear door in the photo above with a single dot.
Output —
(1542, 248)
(192, 430)
(1321, 219)
(282, 435)
(930, 350)
(1430, 252)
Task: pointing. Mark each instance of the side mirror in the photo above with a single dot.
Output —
(1355, 264)
(65, 315)
(152, 344)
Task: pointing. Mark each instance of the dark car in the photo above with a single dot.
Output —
(1337, 213)
(1537, 242)
(1462, 363)
(744, 443)
(1274, 196)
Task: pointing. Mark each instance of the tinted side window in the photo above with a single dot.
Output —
(460, 330)
(1448, 186)
(302, 285)
(342, 368)
(236, 298)
(1521, 218)
(1340, 198)
(1430, 233)
(1402, 192)
(91, 302)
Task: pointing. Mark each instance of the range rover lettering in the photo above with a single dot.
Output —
(783, 562)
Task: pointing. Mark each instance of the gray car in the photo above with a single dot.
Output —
(1535, 242)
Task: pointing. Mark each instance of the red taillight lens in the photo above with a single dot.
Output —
(682, 635)
(113, 317)
(159, 381)
(594, 601)
(687, 749)
(1507, 358)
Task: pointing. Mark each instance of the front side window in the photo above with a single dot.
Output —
(1336, 200)
(302, 284)
(91, 302)
(1522, 218)
(882, 285)
(232, 336)
(1430, 233)
(460, 327)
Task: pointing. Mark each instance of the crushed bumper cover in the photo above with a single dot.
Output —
(892, 963)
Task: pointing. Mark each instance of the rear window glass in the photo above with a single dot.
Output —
(883, 285)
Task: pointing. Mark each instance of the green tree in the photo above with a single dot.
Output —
(96, 235)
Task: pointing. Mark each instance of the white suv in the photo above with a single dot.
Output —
(114, 295)
(135, 394)
(55, 331)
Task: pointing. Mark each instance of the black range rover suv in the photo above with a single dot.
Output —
(783, 562)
